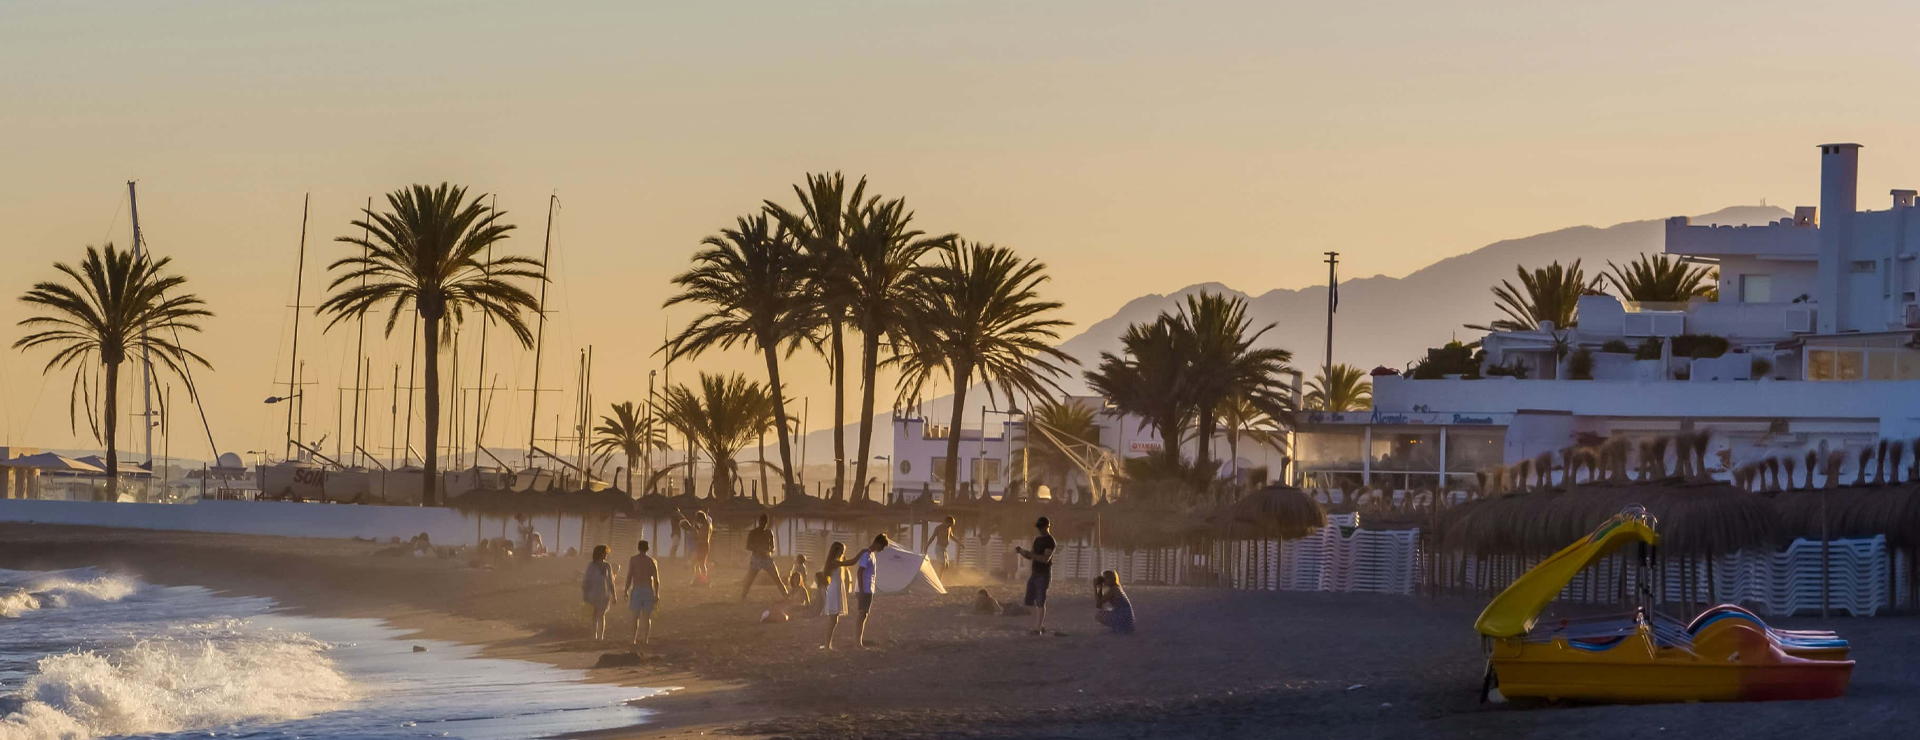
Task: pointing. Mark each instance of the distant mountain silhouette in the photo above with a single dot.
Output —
(1384, 320)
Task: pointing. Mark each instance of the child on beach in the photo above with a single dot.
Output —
(596, 588)
(833, 590)
(797, 581)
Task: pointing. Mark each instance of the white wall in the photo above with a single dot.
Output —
(1894, 404)
(332, 521)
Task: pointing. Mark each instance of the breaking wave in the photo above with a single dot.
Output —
(61, 589)
(204, 675)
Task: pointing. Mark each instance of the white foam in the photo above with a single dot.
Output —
(58, 590)
(202, 676)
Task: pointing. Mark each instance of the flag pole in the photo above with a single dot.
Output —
(1333, 302)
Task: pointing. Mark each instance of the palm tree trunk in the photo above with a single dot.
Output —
(1203, 457)
(630, 476)
(112, 424)
(769, 348)
(1233, 451)
(430, 485)
(839, 406)
(1170, 444)
(953, 434)
(869, 363)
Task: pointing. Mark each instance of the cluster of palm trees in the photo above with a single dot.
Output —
(1552, 293)
(1190, 370)
(841, 264)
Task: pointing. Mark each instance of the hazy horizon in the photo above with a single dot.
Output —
(1135, 148)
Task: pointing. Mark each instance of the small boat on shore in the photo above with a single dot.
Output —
(1725, 654)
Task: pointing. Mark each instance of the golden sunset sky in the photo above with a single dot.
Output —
(1135, 147)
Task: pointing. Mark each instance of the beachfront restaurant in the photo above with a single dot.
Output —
(1398, 451)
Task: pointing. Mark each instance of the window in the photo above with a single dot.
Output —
(986, 469)
(1756, 288)
(939, 470)
(1866, 267)
(1819, 364)
(1848, 364)
(1474, 449)
(1412, 450)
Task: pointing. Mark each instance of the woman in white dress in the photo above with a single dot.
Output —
(596, 588)
(833, 598)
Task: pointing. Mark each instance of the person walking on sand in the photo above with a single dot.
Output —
(643, 593)
(1042, 558)
(760, 549)
(939, 546)
(596, 588)
(1111, 606)
(866, 574)
(833, 594)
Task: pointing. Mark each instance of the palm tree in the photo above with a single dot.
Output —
(881, 278)
(1241, 418)
(1224, 363)
(627, 432)
(724, 415)
(431, 250)
(1659, 278)
(114, 306)
(1071, 422)
(1147, 380)
(751, 278)
(1550, 293)
(980, 316)
(819, 230)
(1340, 388)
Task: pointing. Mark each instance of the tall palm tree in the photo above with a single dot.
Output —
(430, 250)
(1658, 278)
(1550, 293)
(819, 228)
(1241, 418)
(1340, 388)
(1224, 363)
(1070, 421)
(721, 417)
(882, 277)
(627, 432)
(113, 307)
(1147, 379)
(979, 316)
(751, 278)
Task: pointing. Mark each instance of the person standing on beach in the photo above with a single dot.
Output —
(939, 546)
(833, 593)
(1042, 558)
(643, 593)
(760, 549)
(866, 575)
(700, 532)
(596, 588)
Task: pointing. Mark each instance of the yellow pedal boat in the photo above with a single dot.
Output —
(1725, 654)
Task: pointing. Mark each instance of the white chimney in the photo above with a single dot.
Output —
(1839, 198)
(1902, 198)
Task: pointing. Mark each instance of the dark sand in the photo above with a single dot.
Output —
(1206, 663)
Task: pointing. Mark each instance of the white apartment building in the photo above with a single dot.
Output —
(1818, 314)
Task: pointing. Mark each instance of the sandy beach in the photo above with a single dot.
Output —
(1206, 663)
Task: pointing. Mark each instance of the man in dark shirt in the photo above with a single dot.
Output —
(1042, 557)
(760, 548)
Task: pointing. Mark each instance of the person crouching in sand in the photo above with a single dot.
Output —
(1111, 606)
(833, 592)
(643, 593)
(596, 588)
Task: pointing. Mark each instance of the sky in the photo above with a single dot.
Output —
(1134, 147)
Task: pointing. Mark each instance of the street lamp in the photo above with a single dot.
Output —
(277, 399)
(889, 462)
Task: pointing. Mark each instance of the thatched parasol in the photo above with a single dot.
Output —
(1276, 511)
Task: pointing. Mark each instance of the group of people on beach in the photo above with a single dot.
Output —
(840, 593)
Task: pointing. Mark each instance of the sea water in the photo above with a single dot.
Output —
(87, 654)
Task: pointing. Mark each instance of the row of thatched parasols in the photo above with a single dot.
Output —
(1274, 512)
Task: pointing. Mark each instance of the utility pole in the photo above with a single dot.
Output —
(1333, 302)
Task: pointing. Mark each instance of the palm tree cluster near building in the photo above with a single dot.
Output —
(841, 264)
(1177, 372)
(1552, 293)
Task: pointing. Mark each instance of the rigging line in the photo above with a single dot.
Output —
(186, 369)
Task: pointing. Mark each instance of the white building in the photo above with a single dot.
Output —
(994, 459)
(1818, 316)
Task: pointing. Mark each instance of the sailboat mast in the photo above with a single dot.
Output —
(360, 349)
(540, 332)
(299, 276)
(146, 362)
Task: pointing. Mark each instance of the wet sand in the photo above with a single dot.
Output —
(1206, 663)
